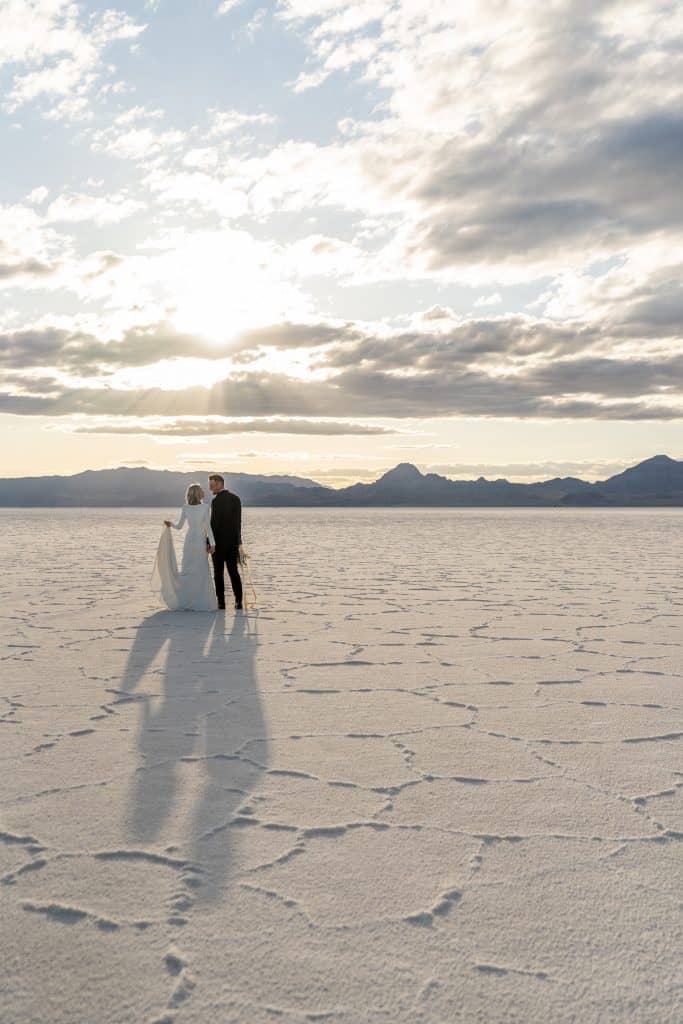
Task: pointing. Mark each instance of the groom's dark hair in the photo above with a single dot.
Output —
(217, 476)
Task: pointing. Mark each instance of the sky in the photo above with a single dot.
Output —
(323, 238)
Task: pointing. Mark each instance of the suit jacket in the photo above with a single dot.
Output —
(226, 520)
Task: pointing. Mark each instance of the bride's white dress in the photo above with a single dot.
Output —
(192, 587)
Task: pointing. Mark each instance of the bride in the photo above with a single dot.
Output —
(192, 588)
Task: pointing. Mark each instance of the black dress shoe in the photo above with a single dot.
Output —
(221, 607)
(238, 604)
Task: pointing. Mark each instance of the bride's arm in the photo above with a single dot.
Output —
(209, 531)
(177, 526)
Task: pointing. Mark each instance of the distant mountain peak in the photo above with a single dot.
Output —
(405, 471)
(658, 466)
(657, 460)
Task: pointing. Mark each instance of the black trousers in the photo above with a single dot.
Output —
(226, 558)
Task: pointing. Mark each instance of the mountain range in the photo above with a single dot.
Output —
(656, 481)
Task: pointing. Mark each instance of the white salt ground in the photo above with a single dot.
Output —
(435, 777)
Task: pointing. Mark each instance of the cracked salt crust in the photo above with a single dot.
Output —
(379, 798)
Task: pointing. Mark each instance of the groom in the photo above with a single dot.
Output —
(226, 524)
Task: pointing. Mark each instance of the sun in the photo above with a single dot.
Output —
(219, 284)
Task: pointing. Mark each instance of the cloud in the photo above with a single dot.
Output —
(412, 379)
(29, 247)
(37, 195)
(588, 132)
(228, 5)
(623, 362)
(24, 268)
(512, 139)
(81, 354)
(136, 143)
(209, 427)
(225, 122)
(487, 145)
(489, 300)
(56, 52)
(554, 202)
(107, 209)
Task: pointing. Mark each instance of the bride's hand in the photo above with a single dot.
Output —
(212, 549)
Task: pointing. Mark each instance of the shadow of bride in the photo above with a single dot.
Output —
(191, 734)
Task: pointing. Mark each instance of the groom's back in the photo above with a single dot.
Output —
(226, 519)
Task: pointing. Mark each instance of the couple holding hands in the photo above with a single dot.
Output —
(217, 529)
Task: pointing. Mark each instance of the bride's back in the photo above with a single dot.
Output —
(196, 513)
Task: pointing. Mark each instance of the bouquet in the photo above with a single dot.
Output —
(243, 559)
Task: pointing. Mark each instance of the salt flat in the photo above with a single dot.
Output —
(435, 776)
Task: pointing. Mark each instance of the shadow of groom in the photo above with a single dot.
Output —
(208, 709)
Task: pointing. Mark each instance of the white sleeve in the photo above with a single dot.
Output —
(177, 526)
(209, 531)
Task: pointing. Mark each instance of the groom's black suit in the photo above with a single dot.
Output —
(226, 524)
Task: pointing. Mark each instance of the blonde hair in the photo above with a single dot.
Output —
(194, 494)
